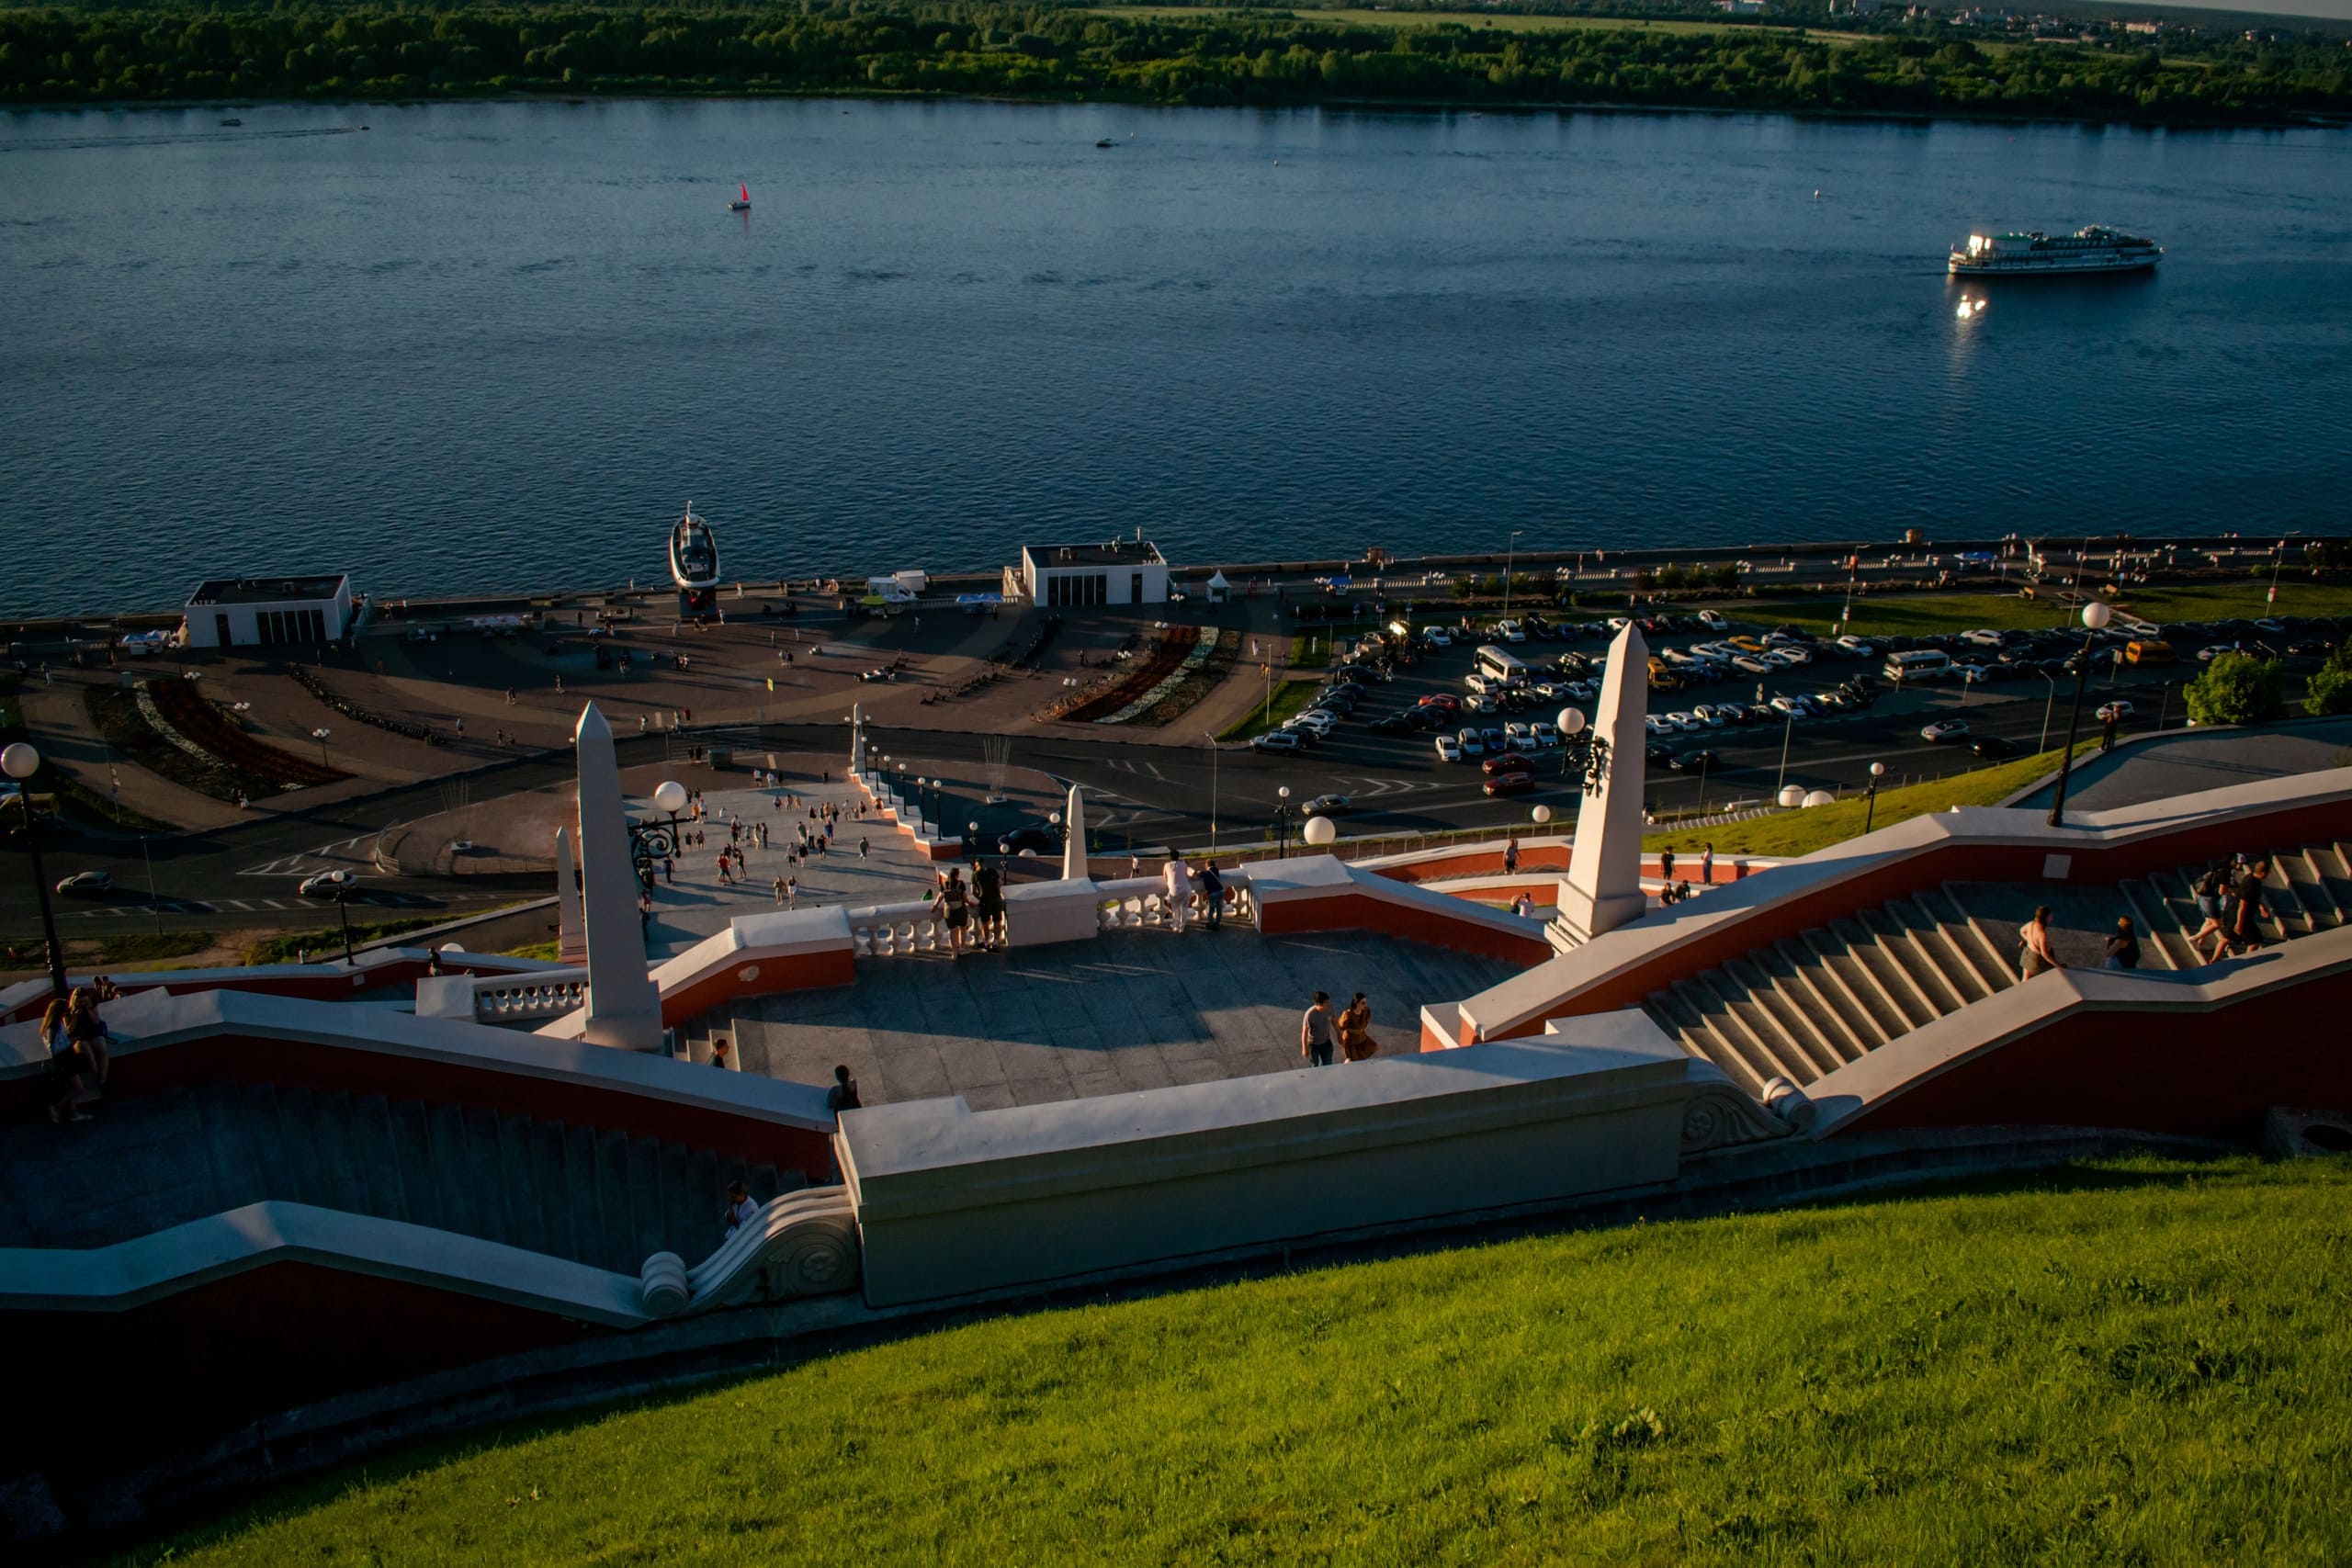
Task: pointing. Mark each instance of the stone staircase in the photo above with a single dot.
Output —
(1802, 1008)
(592, 1195)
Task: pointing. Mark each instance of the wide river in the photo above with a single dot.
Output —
(493, 347)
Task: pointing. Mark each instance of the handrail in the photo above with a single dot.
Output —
(800, 1243)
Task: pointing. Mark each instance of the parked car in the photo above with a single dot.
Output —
(1693, 762)
(1509, 763)
(1276, 741)
(1510, 783)
(1473, 745)
(1945, 730)
(1449, 750)
(1326, 806)
(1994, 748)
(87, 883)
(327, 884)
(1391, 724)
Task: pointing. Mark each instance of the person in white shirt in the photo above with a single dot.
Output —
(741, 1209)
(1177, 878)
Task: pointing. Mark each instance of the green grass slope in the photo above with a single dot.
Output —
(2138, 1362)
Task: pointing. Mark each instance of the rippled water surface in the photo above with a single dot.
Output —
(495, 346)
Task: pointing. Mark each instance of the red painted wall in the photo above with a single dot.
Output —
(2165, 1070)
(791, 972)
(307, 1064)
(103, 1390)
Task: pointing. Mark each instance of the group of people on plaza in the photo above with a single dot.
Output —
(1326, 1037)
(76, 1039)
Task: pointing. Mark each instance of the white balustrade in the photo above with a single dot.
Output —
(533, 996)
(893, 930)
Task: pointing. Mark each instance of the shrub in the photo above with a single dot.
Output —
(2237, 688)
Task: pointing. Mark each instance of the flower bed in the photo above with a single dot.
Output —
(168, 728)
(1169, 685)
(1174, 644)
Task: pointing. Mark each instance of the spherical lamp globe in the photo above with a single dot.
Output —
(1571, 721)
(1540, 815)
(670, 796)
(1820, 798)
(1320, 830)
(1878, 770)
(1792, 794)
(20, 760)
(2095, 614)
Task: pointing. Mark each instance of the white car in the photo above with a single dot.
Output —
(1275, 741)
(1583, 692)
(1656, 724)
(327, 884)
(1752, 664)
(1477, 703)
(1438, 637)
(1510, 632)
(1856, 646)
(1485, 685)
(1792, 708)
(1449, 750)
(1470, 743)
(1945, 730)
(1545, 735)
(1711, 621)
(1982, 636)
(1517, 730)
(2118, 710)
(1619, 623)
(1776, 659)
(1794, 654)
(1711, 715)
(1321, 723)
(1688, 723)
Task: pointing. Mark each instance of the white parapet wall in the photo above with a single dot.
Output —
(954, 1202)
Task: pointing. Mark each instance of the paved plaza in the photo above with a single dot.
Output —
(1133, 1009)
(2188, 761)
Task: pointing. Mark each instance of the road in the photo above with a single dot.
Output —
(1139, 793)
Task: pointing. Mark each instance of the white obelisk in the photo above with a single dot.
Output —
(1074, 849)
(1604, 887)
(624, 1010)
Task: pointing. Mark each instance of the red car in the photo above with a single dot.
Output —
(1445, 700)
(1509, 763)
(1510, 784)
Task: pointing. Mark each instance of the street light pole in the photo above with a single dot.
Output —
(1212, 745)
(1870, 812)
(154, 905)
(20, 762)
(344, 911)
(2048, 703)
(1510, 559)
(2094, 615)
(1281, 823)
(1787, 730)
(320, 735)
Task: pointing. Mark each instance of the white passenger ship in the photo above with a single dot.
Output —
(2036, 254)
(694, 559)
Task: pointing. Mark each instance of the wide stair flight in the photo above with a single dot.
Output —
(1803, 1007)
(591, 1195)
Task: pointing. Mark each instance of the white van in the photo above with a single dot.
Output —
(1923, 665)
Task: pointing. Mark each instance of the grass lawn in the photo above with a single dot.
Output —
(1355, 17)
(2134, 1361)
(1290, 698)
(1802, 832)
(1310, 650)
(1918, 614)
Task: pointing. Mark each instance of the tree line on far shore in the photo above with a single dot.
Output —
(289, 50)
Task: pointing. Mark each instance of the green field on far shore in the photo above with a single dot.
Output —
(2134, 1361)
(1916, 614)
(1500, 21)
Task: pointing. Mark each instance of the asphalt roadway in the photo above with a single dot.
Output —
(1140, 794)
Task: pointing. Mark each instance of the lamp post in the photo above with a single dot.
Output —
(650, 841)
(1788, 730)
(1870, 812)
(2048, 703)
(20, 762)
(971, 840)
(343, 912)
(1211, 739)
(2094, 615)
(1581, 750)
(1282, 822)
(1510, 558)
(320, 735)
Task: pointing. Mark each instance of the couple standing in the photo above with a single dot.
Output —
(1350, 1030)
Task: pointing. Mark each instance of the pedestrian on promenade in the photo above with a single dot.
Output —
(719, 1052)
(2212, 890)
(510, 697)
(861, 849)
(988, 893)
(842, 1096)
(1213, 893)
(2245, 930)
(461, 728)
(74, 1080)
(1707, 866)
(2035, 953)
(2123, 947)
(1524, 905)
(779, 892)
(792, 893)
(1176, 878)
(1666, 865)
(953, 898)
(1315, 1032)
(1355, 1030)
(741, 1209)
(723, 878)
(1510, 857)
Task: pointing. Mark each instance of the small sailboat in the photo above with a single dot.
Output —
(1106, 141)
(742, 203)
